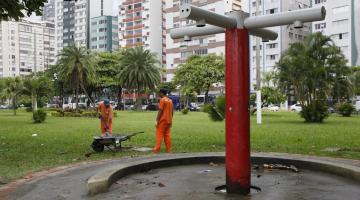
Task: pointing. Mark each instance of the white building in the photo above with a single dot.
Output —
(49, 11)
(270, 52)
(342, 24)
(26, 47)
(177, 51)
(141, 24)
(71, 20)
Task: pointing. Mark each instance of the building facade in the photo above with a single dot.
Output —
(141, 24)
(104, 33)
(49, 11)
(26, 47)
(177, 51)
(71, 23)
(270, 52)
(342, 24)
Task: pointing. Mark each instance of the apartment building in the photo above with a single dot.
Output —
(49, 11)
(342, 24)
(177, 51)
(104, 33)
(141, 24)
(26, 47)
(71, 23)
(270, 52)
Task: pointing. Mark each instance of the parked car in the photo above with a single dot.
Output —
(331, 110)
(194, 107)
(296, 108)
(273, 108)
(4, 107)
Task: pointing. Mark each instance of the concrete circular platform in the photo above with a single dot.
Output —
(73, 182)
(199, 182)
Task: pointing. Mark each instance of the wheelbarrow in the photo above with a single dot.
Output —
(100, 142)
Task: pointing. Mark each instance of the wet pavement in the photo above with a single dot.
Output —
(199, 182)
(189, 182)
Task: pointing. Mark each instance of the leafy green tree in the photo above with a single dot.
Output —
(200, 73)
(107, 68)
(13, 88)
(311, 72)
(355, 80)
(140, 71)
(15, 9)
(169, 86)
(77, 69)
(37, 85)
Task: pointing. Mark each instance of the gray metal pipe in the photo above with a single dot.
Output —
(285, 18)
(200, 15)
(264, 33)
(193, 31)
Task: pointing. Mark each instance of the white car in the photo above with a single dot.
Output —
(296, 108)
(273, 108)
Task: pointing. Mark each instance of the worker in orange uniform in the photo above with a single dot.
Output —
(106, 117)
(164, 122)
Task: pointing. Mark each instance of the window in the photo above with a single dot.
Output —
(138, 5)
(271, 57)
(254, 3)
(129, 7)
(129, 41)
(254, 47)
(94, 39)
(319, 1)
(291, 35)
(320, 26)
(93, 23)
(201, 52)
(272, 45)
(272, 11)
(137, 14)
(138, 40)
(129, 24)
(186, 54)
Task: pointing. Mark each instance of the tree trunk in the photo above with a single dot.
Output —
(77, 98)
(138, 100)
(34, 102)
(14, 104)
(119, 96)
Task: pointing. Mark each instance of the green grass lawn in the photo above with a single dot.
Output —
(61, 141)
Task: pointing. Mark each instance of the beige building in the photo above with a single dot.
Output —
(26, 47)
(177, 51)
(141, 24)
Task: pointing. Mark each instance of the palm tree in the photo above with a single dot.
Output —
(139, 70)
(77, 69)
(313, 71)
(36, 85)
(13, 87)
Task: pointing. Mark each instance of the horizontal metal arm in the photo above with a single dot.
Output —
(285, 18)
(264, 33)
(204, 16)
(193, 31)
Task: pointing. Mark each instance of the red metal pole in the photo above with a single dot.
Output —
(237, 111)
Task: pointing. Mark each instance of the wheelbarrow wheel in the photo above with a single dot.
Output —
(97, 146)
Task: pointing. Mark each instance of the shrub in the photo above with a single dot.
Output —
(317, 111)
(345, 109)
(185, 111)
(217, 112)
(39, 116)
(29, 109)
(56, 114)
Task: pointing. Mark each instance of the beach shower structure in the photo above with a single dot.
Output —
(237, 27)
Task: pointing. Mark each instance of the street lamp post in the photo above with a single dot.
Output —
(237, 26)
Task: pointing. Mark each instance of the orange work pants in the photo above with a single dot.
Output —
(104, 129)
(163, 132)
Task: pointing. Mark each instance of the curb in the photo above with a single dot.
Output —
(101, 182)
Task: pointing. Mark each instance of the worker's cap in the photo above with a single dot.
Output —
(106, 102)
(163, 91)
